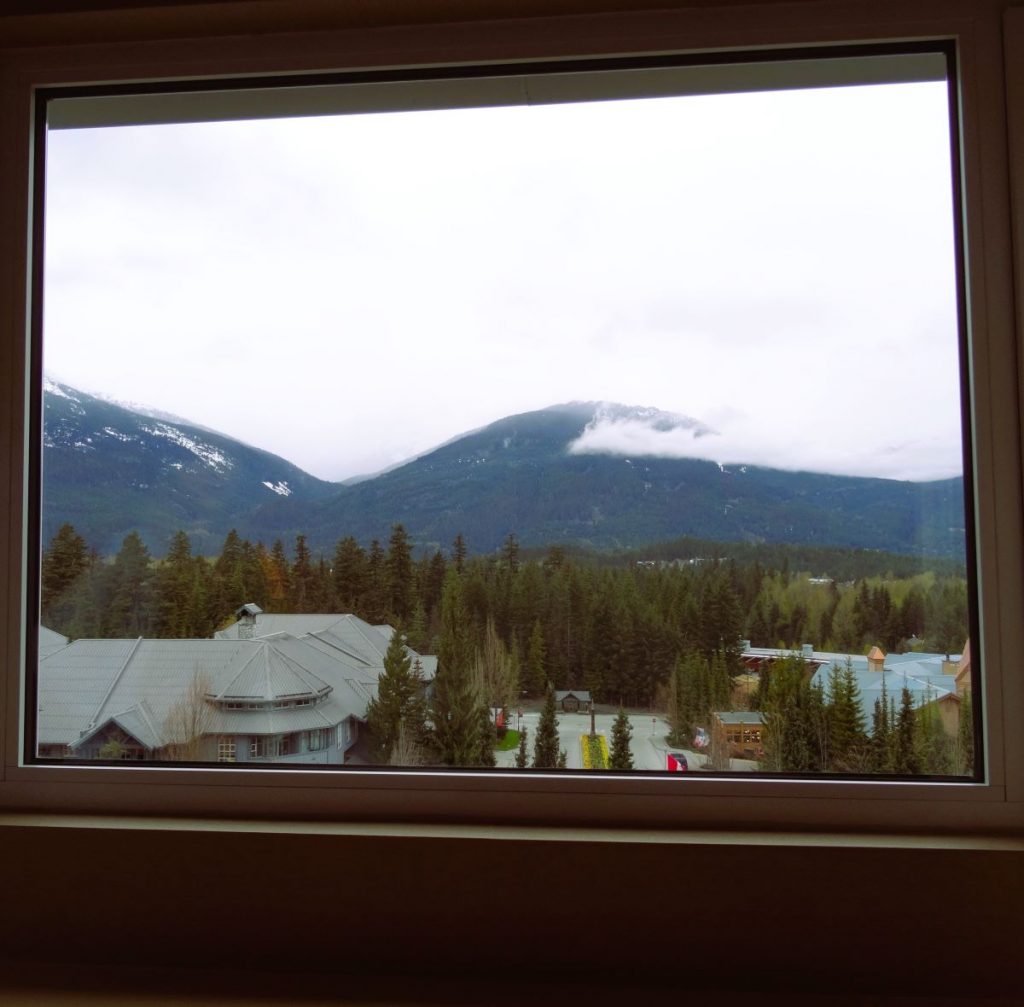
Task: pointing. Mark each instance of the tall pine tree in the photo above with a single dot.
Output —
(622, 731)
(456, 705)
(397, 713)
(545, 745)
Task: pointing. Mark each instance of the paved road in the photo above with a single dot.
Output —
(647, 743)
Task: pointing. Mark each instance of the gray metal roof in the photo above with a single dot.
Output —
(138, 684)
(582, 694)
(297, 624)
(346, 637)
(49, 641)
(270, 675)
(740, 717)
(260, 722)
(72, 684)
(136, 721)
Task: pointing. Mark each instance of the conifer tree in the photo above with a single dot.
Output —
(879, 749)
(375, 602)
(174, 586)
(487, 737)
(278, 577)
(419, 634)
(935, 750)
(719, 683)
(905, 757)
(228, 579)
(303, 578)
(965, 738)
(795, 719)
(66, 559)
(129, 589)
(434, 583)
(456, 703)
(846, 719)
(515, 671)
(545, 745)
(510, 553)
(680, 709)
(399, 703)
(349, 574)
(459, 553)
(252, 579)
(536, 670)
(622, 731)
(83, 613)
(522, 756)
(399, 575)
(323, 588)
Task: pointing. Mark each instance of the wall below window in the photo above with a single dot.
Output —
(490, 914)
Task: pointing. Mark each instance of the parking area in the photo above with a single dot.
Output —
(647, 743)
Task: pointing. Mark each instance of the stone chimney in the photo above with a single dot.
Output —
(876, 659)
(246, 617)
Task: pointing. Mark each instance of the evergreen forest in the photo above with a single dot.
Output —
(660, 630)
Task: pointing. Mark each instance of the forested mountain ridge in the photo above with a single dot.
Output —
(517, 476)
(109, 469)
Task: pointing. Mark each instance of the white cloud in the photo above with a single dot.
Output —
(745, 440)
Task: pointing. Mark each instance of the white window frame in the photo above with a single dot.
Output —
(679, 801)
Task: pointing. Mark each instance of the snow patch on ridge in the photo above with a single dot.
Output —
(281, 488)
(51, 386)
(206, 453)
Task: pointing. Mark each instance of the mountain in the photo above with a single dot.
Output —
(110, 469)
(516, 475)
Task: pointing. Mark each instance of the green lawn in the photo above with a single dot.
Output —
(509, 742)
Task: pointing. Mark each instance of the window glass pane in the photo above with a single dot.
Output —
(619, 434)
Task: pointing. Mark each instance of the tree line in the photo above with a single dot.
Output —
(618, 631)
(507, 626)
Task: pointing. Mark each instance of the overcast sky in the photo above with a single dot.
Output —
(350, 291)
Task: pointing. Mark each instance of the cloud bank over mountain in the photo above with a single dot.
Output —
(739, 439)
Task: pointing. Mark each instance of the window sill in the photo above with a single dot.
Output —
(523, 833)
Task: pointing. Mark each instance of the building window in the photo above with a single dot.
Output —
(318, 740)
(225, 748)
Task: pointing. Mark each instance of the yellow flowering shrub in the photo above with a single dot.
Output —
(594, 751)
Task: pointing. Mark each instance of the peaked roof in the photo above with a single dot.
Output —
(268, 674)
(136, 721)
(876, 654)
(49, 641)
(344, 637)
